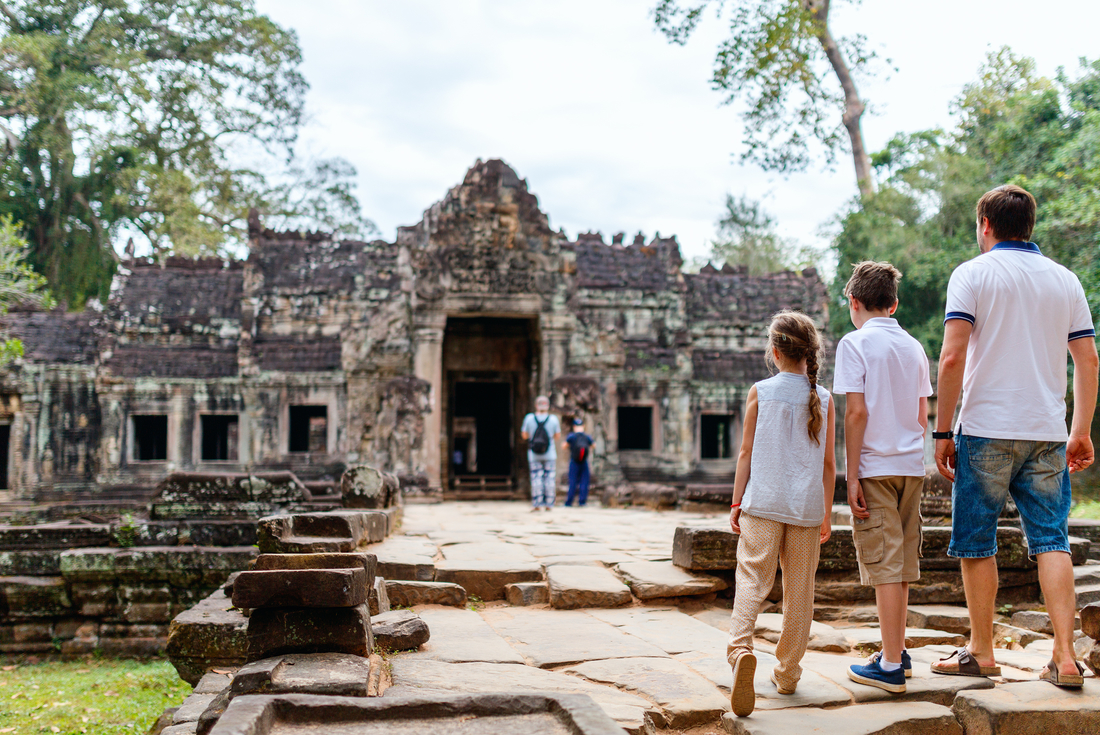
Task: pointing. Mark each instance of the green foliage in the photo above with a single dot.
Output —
(1014, 127)
(97, 696)
(747, 238)
(19, 284)
(121, 115)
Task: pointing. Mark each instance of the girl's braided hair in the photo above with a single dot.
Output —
(796, 337)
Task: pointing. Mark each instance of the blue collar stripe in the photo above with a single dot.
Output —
(1081, 334)
(958, 315)
(1017, 245)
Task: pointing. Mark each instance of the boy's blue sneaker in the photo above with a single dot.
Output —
(872, 675)
(906, 662)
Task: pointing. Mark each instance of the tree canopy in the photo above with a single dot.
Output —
(1014, 127)
(747, 237)
(166, 118)
(19, 284)
(777, 58)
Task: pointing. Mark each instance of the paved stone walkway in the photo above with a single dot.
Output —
(655, 660)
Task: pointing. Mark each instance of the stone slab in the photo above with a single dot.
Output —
(486, 580)
(1039, 622)
(490, 551)
(704, 548)
(574, 587)
(527, 593)
(345, 587)
(399, 630)
(335, 674)
(549, 638)
(192, 708)
(823, 637)
(924, 686)
(462, 636)
(684, 697)
(419, 676)
(911, 718)
(1090, 620)
(649, 579)
(273, 631)
(378, 600)
(213, 682)
(403, 557)
(362, 559)
(670, 630)
(870, 639)
(1005, 635)
(212, 634)
(409, 594)
(813, 690)
(337, 531)
(1030, 708)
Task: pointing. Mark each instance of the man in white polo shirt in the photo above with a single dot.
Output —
(1011, 313)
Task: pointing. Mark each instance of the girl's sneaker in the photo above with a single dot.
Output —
(743, 693)
(873, 675)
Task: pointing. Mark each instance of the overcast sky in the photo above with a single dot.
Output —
(614, 128)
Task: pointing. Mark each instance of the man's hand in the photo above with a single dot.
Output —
(826, 527)
(1079, 453)
(856, 501)
(735, 517)
(945, 457)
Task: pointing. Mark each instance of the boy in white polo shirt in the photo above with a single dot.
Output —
(883, 372)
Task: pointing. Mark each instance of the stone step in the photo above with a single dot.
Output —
(402, 593)
(335, 674)
(462, 636)
(895, 718)
(274, 631)
(523, 594)
(1030, 707)
(1087, 574)
(327, 532)
(585, 586)
(1088, 594)
(952, 618)
(399, 630)
(327, 588)
(487, 579)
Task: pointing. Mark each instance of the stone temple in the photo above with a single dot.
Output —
(420, 356)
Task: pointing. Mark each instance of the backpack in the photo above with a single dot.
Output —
(540, 440)
(579, 447)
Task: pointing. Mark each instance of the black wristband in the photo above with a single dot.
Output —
(943, 434)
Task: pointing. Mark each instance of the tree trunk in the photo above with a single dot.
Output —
(853, 105)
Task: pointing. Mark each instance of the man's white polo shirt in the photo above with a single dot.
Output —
(889, 367)
(1025, 309)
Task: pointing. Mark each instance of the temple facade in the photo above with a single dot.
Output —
(420, 355)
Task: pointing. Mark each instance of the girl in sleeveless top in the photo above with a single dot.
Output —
(782, 498)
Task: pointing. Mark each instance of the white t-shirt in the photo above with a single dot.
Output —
(1025, 308)
(553, 426)
(889, 367)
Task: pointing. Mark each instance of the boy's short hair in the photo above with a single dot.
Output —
(1010, 210)
(875, 285)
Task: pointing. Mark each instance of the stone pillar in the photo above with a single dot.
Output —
(428, 365)
(555, 330)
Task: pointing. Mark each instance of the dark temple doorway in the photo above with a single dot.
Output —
(488, 368)
(5, 440)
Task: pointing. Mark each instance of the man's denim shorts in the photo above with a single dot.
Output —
(986, 472)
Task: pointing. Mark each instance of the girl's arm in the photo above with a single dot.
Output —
(744, 459)
(828, 473)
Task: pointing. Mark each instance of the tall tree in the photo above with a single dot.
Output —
(161, 116)
(19, 284)
(747, 237)
(777, 57)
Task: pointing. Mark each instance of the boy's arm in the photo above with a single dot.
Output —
(828, 473)
(855, 425)
(744, 459)
(922, 414)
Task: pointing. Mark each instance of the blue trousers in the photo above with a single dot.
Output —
(542, 482)
(578, 483)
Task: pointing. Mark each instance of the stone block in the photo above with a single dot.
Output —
(212, 634)
(332, 531)
(147, 612)
(221, 533)
(486, 579)
(584, 586)
(399, 630)
(34, 597)
(132, 647)
(54, 536)
(363, 486)
(378, 600)
(1005, 636)
(1030, 708)
(1092, 658)
(333, 674)
(213, 682)
(951, 618)
(405, 558)
(704, 548)
(30, 563)
(184, 495)
(649, 579)
(1090, 620)
(88, 565)
(94, 599)
(192, 708)
(273, 631)
(144, 593)
(345, 587)
(76, 628)
(895, 718)
(32, 633)
(527, 593)
(654, 495)
(404, 593)
(367, 561)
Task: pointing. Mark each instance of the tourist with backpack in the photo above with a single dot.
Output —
(579, 445)
(542, 431)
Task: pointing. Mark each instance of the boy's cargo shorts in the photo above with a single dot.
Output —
(888, 544)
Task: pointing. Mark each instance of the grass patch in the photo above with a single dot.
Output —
(1086, 509)
(94, 696)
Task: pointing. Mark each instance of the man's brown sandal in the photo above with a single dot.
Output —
(967, 665)
(1066, 681)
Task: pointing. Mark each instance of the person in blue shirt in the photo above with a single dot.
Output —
(579, 445)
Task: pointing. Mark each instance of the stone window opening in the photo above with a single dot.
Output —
(220, 437)
(150, 437)
(635, 425)
(717, 438)
(308, 429)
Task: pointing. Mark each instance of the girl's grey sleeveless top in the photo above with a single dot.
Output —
(785, 481)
